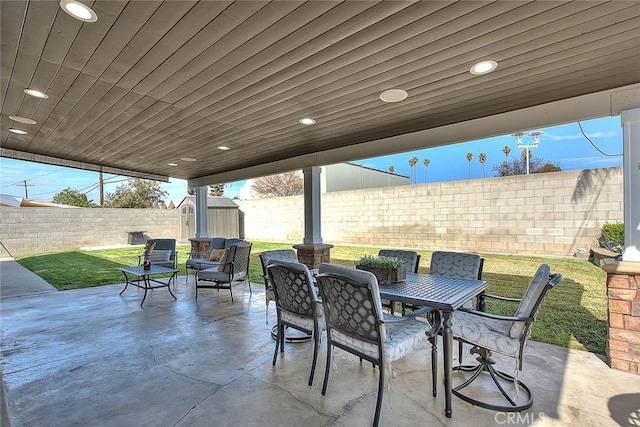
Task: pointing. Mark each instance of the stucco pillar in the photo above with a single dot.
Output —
(200, 243)
(623, 294)
(312, 252)
(631, 172)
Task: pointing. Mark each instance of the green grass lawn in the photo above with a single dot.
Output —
(573, 315)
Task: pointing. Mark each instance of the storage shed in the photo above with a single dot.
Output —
(224, 217)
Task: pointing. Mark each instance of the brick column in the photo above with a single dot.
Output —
(623, 292)
(313, 255)
(200, 247)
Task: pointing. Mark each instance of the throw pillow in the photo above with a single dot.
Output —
(223, 260)
(160, 255)
(216, 254)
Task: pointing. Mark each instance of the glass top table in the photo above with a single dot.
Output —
(144, 278)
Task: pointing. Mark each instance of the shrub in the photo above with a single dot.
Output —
(380, 262)
(614, 233)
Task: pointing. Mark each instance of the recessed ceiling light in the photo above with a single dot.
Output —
(36, 93)
(394, 95)
(18, 131)
(307, 121)
(172, 164)
(223, 148)
(78, 10)
(483, 67)
(188, 159)
(24, 120)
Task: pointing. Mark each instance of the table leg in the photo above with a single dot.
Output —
(126, 282)
(173, 277)
(147, 285)
(447, 343)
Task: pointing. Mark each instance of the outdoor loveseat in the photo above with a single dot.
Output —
(218, 247)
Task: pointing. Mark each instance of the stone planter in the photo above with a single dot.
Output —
(384, 274)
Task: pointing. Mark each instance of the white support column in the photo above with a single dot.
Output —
(631, 172)
(201, 212)
(312, 214)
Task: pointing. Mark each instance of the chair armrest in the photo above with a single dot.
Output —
(500, 298)
(497, 316)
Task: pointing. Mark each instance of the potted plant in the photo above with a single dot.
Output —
(386, 269)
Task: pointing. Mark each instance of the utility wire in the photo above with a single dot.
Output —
(594, 145)
(23, 180)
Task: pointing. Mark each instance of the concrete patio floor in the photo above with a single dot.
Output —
(91, 357)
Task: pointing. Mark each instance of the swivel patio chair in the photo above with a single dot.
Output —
(266, 258)
(233, 269)
(297, 305)
(356, 323)
(411, 260)
(507, 335)
(461, 266)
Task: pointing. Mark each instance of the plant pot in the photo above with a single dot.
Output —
(384, 274)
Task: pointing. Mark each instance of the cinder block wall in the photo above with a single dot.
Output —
(28, 231)
(541, 214)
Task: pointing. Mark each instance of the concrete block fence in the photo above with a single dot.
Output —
(541, 214)
(27, 231)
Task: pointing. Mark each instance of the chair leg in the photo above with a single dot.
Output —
(376, 417)
(485, 365)
(281, 330)
(249, 287)
(327, 370)
(434, 364)
(316, 344)
(278, 338)
(460, 344)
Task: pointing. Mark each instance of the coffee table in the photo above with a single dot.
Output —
(144, 278)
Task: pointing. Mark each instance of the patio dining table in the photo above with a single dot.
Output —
(444, 294)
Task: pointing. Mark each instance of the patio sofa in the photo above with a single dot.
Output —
(218, 247)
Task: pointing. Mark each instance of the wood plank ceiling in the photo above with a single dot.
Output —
(152, 82)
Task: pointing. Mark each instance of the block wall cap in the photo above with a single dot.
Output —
(621, 267)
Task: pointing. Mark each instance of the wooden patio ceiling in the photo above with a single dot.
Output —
(152, 82)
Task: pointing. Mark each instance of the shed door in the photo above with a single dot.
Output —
(187, 223)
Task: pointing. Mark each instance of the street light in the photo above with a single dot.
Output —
(519, 141)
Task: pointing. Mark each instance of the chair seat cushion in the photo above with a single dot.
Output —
(201, 263)
(212, 274)
(488, 333)
(404, 337)
(305, 323)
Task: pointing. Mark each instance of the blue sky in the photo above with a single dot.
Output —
(563, 145)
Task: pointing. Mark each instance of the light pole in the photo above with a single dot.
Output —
(536, 140)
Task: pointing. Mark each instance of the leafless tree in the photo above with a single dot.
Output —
(280, 185)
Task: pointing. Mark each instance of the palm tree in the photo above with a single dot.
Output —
(482, 157)
(469, 158)
(412, 163)
(426, 166)
(392, 169)
(505, 165)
